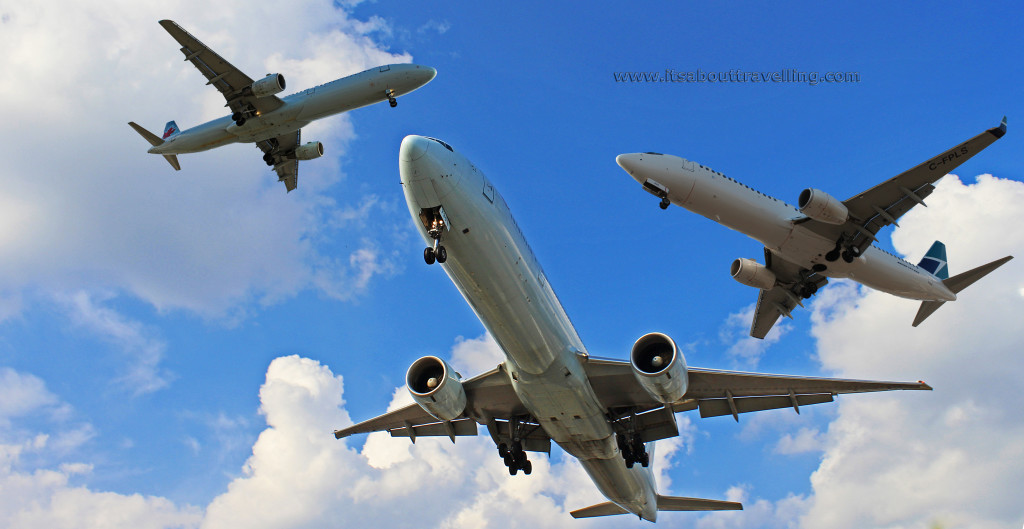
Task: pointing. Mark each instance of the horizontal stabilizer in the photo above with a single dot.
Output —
(956, 284)
(173, 160)
(153, 139)
(601, 509)
(675, 503)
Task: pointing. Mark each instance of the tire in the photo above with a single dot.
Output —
(393, 103)
(503, 450)
(645, 460)
(512, 470)
(663, 205)
(442, 254)
(428, 255)
(528, 468)
(832, 256)
(629, 463)
(848, 256)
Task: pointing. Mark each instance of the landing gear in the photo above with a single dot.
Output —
(851, 253)
(808, 290)
(664, 204)
(437, 252)
(515, 458)
(633, 449)
(391, 97)
(848, 253)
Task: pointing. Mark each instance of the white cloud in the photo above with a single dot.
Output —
(805, 440)
(22, 394)
(743, 348)
(208, 239)
(953, 457)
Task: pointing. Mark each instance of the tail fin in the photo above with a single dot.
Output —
(665, 503)
(956, 283)
(170, 129)
(935, 261)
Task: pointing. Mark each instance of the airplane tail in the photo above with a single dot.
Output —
(665, 503)
(956, 283)
(935, 261)
(170, 130)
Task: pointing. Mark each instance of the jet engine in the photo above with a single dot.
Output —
(659, 367)
(309, 151)
(822, 207)
(435, 386)
(752, 273)
(268, 86)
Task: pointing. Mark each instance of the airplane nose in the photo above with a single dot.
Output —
(630, 163)
(413, 148)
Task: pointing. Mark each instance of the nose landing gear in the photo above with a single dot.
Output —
(391, 97)
(437, 252)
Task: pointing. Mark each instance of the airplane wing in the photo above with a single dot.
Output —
(230, 81)
(490, 400)
(885, 203)
(715, 392)
(782, 299)
(287, 169)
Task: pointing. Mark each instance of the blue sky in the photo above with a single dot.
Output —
(172, 342)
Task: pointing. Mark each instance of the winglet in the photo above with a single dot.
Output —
(1000, 130)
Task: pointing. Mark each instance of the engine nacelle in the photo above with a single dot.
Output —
(660, 367)
(309, 151)
(435, 386)
(268, 86)
(822, 206)
(752, 273)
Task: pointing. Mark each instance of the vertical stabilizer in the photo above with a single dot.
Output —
(956, 283)
(935, 261)
(170, 129)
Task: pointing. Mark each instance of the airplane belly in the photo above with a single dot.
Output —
(631, 488)
(804, 246)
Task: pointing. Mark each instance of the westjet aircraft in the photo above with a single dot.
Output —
(273, 124)
(606, 413)
(821, 238)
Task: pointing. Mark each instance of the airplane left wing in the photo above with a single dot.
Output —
(715, 392)
(885, 203)
(286, 167)
(490, 400)
(230, 81)
(785, 296)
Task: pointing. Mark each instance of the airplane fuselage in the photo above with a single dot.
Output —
(302, 108)
(496, 271)
(777, 226)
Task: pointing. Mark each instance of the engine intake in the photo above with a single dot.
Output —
(822, 207)
(752, 273)
(435, 386)
(269, 85)
(659, 367)
(309, 151)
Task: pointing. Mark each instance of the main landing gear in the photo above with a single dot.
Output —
(515, 458)
(633, 449)
(436, 252)
(848, 254)
(240, 116)
(391, 99)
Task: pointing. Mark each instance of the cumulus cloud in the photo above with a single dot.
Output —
(952, 457)
(744, 349)
(104, 214)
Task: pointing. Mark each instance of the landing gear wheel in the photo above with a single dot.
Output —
(848, 256)
(393, 102)
(442, 254)
(645, 459)
(428, 255)
(512, 470)
(630, 462)
(527, 467)
(268, 157)
(664, 203)
(240, 121)
(809, 290)
(832, 256)
(503, 451)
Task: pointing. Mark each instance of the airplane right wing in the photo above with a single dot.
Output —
(785, 296)
(230, 81)
(287, 168)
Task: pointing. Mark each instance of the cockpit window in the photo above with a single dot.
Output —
(446, 146)
(656, 153)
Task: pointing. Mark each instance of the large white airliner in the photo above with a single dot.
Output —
(273, 124)
(604, 412)
(821, 238)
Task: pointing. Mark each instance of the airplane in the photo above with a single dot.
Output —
(274, 124)
(821, 237)
(606, 413)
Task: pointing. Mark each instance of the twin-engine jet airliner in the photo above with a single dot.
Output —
(273, 124)
(606, 413)
(822, 237)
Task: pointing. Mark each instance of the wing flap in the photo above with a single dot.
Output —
(719, 407)
(460, 427)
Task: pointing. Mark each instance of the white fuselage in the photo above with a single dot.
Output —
(495, 270)
(302, 108)
(770, 221)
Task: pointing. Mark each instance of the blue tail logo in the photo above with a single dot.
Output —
(170, 129)
(935, 261)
